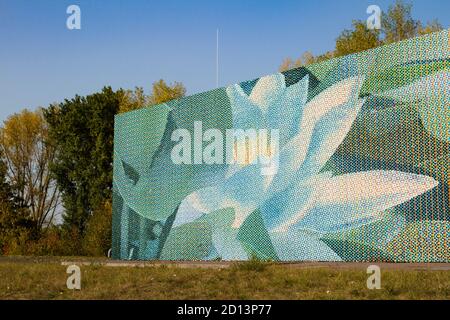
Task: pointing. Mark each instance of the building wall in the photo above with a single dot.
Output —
(359, 172)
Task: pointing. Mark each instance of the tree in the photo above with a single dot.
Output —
(323, 57)
(430, 27)
(397, 24)
(82, 131)
(305, 59)
(131, 100)
(162, 92)
(97, 239)
(27, 155)
(358, 39)
(14, 218)
(286, 65)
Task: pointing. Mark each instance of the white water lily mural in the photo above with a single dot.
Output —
(300, 202)
(362, 169)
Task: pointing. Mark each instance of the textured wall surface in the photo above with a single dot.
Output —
(362, 165)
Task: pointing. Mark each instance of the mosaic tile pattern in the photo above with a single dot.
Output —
(364, 160)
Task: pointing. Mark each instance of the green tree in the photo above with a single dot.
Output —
(358, 39)
(82, 131)
(14, 217)
(27, 155)
(398, 24)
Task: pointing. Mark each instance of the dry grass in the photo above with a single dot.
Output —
(47, 280)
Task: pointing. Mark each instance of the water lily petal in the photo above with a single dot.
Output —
(289, 206)
(224, 236)
(284, 114)
(329, 115)
(358, 198)
(299, 245)
(267, 90)
(246, 114)
(243, 191)
(328, 134)
(190, 209)
(339, 94)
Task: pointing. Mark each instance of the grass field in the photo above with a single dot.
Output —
(46, 279)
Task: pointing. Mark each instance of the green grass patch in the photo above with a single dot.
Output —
(250, 280)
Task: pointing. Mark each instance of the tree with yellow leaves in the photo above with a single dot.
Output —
(27, 156)
(161, 92)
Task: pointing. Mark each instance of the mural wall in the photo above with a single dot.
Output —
(345, 160)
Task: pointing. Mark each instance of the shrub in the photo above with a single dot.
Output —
(254, 264)
(97, 239)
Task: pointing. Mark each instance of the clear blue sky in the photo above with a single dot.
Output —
(134, 43)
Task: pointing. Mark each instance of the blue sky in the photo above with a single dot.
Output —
(134, 43)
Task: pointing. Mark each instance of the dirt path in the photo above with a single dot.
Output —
(220, 264)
